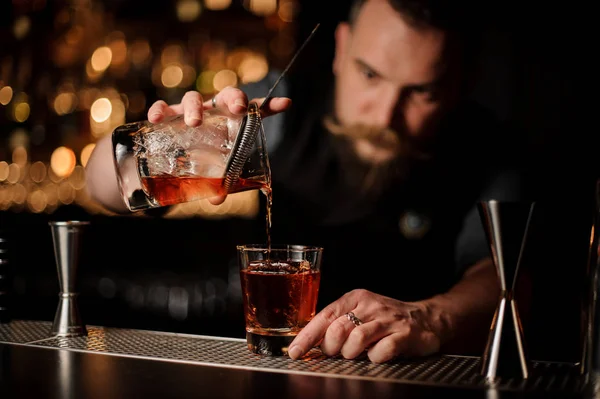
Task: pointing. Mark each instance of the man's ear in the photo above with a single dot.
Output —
(342, 33)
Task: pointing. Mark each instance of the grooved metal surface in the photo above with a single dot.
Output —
(21, 332)
(228, 352)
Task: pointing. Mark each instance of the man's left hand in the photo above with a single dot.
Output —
(385, 328)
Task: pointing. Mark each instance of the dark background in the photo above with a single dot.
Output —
(539, 72)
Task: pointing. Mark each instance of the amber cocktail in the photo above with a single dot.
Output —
(280, 288)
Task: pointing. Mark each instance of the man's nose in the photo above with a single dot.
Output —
(387, 109)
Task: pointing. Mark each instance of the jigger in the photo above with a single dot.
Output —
(67, 241)
(506, 225)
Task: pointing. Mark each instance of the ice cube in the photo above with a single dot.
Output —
(303, 266)
(176, 149)
(208, 163)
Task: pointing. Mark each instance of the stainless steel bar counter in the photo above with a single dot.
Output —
(126, 363)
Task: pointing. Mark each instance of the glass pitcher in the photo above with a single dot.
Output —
(169, 162)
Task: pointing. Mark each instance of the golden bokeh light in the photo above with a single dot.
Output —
(84, 156)
(189, 76)
(287, 10)
(63, 161)
(188, 10)
(19, 194)
(37, 172)
(171, 76)
(21, 111)
(3, 170)
(107, 112)
(204, 83)
(14, 173)
(77, 178)
(117, 116)
(65, 103)
(261, 7)
(66, 194)
(101, 58)
(100, 129)
(19, 156)
(92, 75)
(18, 138)
(253, 68)
(53, 177)
(6, 94)
(37, 201)
(51, 191)
(101, 110)
(236, 56)
(21, 26)
(223, 79)
(118, 49)
(217, 4)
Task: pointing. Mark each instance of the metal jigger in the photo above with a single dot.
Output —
(506, 225)
(67, 240)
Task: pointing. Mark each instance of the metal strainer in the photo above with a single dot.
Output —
(244, 143)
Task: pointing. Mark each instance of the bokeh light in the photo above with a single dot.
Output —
(63, 161)
(101, 110)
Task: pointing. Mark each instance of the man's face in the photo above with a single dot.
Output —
(393, 82)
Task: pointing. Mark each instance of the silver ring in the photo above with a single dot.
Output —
(214, 102)
(357, 322)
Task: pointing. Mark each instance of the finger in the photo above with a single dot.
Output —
(160, 109)
(362, 337)
(315, 330)
(404, 343)
(336, 335)
(274, 106)
(192, 108)
(233, 100)
(390, 347)
(208, 104)
(217, 200)
(312, 333)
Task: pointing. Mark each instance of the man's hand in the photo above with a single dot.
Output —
(389, 328)
(455, 321)
(229, 100)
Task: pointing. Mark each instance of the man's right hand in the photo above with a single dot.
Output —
(229, 100)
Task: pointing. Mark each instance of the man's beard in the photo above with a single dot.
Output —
(386, 158)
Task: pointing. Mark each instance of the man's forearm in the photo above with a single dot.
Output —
(101, 177)
(462, 316)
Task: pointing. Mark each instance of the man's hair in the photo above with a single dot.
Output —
(454, 17)
(444, 15)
